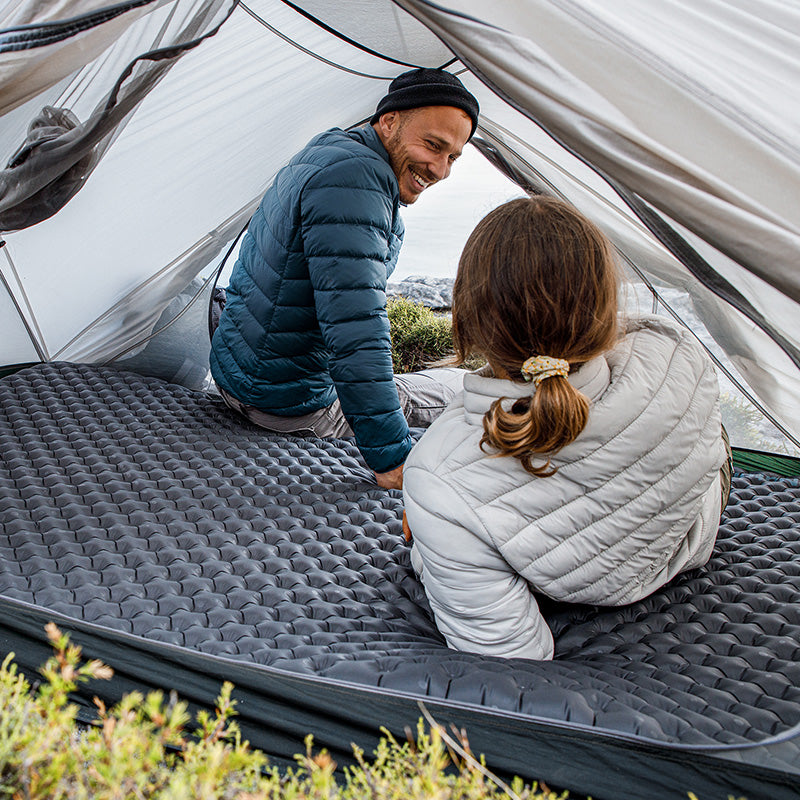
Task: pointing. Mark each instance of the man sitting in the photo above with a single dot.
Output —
(303, 345)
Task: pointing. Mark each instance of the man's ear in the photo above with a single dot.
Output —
(388, 122)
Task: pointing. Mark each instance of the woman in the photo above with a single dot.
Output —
(583, 462)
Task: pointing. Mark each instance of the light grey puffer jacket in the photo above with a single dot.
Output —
(636, 498)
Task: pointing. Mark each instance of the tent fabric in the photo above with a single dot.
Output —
(758, 461)
(32, 184)
(702, 135)
(145, 517)
(42, 43)
(49, 125)
(549, 67)
(230, 131)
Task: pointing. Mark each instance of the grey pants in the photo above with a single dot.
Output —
(423, 396)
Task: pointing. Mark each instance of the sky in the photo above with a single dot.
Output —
(438, 224)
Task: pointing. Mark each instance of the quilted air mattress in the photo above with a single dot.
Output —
(185, 547)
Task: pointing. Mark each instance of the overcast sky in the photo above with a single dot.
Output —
(438, 224)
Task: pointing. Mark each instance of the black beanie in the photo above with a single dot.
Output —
(427, 87)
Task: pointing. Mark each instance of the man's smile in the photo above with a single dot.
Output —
(419, 180)
(422, 144)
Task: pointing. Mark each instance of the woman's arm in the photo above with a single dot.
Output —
(481, 605)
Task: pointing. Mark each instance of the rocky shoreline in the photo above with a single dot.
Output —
(435, 293)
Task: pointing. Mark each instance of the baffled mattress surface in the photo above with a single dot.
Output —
(148, 509)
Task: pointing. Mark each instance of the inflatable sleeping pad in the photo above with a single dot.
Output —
(185, 547)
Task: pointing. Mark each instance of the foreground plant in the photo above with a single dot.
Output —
(143, 748)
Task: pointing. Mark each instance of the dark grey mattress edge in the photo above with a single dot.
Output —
(143, 508)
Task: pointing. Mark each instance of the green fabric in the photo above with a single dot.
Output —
(757, 461)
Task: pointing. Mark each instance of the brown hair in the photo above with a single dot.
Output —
(535, 278)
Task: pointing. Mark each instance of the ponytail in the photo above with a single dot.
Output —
(541, 424)
(535, 295)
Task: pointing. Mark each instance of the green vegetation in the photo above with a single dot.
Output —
(141, 749)
(419, 336)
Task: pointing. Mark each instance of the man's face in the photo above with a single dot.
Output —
(423, 144)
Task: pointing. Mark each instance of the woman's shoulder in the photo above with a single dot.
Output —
(442, 446)
(652, 347)
(644, 330)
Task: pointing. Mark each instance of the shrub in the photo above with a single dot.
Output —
(141, 749)
(419, 336)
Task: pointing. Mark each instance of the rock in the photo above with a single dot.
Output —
(435, 293)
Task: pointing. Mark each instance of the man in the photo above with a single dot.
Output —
(303, 344)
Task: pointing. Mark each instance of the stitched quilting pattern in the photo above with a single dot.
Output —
(146, 508)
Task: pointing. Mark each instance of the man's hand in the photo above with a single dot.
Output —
(390, 480)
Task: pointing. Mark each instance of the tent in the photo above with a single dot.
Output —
(138, 137)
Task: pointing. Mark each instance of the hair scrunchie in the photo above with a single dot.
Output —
(537, 368)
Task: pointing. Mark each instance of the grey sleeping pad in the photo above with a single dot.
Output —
(193, 547)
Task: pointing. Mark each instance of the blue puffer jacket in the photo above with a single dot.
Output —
(305, 318)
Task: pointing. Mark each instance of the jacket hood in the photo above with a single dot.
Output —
(481, 388)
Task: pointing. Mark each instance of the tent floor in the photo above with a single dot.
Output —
(184, 546)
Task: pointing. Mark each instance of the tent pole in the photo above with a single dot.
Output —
(37, 340)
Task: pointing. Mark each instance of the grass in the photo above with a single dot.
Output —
(147, 748)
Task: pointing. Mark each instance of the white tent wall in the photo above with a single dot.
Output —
(48, 279)
(180, 180)
(683, 105)
(18, 336)
(23, 76)
(598, 77)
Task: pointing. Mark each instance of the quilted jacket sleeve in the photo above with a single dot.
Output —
(347, 213)
(481, 605)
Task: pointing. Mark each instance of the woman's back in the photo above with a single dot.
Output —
(632, 499)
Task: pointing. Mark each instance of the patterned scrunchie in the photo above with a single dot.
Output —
(537, 368)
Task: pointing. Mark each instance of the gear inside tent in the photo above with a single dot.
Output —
(185, 548)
